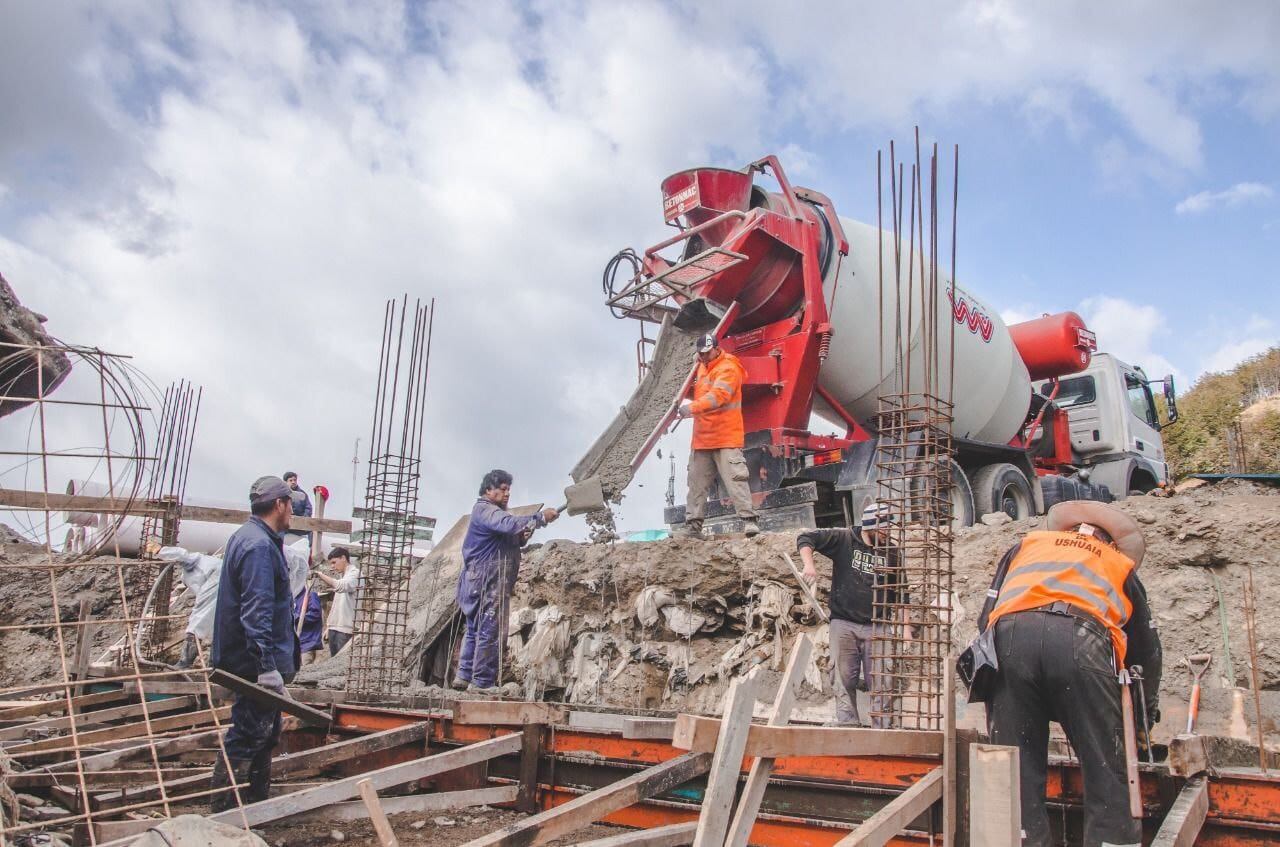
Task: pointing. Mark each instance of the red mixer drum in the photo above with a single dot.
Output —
(1054, 345)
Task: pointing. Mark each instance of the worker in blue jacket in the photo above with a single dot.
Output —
(490, 563)
(311, 630)
(254, 638)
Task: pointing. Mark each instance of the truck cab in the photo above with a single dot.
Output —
(1115, 424)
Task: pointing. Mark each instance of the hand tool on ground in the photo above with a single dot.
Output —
(1197, 663)
(583, 497)
(1135, 673)
(806, 588)
(1130, 746)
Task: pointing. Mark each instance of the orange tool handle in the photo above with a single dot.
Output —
(1193, 710)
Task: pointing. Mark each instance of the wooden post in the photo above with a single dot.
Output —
(530, 752)
(949, 752)
(82, 656)
(758, 778)
(722, 782)
(382, 826)
(995, 803)
(1182, 825)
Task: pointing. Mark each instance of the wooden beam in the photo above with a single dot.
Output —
(84, 643)
(308, 715)
(413, 804)
(699, 735)
(995, 807)
(1182, 825)
(585, 810)
(1193, 754)
(210, 514)
(163, 747)
(876, 830)
(275, 808)
(659, 729)
(508, 713)
(722, 782)
(949, 800)
(59, 706)
(671, 835)
(381, 826)
(36, 779)
(310, 696)
(100, 716)
(596, 721)
(744, 818)
(530, 752)
(116, 733)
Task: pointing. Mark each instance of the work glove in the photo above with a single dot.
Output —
(273, 681)
(686, 409)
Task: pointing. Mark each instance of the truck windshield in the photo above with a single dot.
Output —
(1072, 392)
(1140, 401)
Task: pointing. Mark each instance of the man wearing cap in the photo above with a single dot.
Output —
(254, 638)
(718, 437)
(862, 566)
(1069, 612)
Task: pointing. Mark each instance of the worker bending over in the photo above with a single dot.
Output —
(716, 409)
(861, 566)
(490, 564)
(1069, 612)
(254, 638)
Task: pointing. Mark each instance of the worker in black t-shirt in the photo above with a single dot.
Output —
(858, 572)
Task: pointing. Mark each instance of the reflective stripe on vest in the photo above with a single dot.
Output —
(717, 423)
(1053, 567)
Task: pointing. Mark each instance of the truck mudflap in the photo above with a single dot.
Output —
(789, 508)
(1059, 489)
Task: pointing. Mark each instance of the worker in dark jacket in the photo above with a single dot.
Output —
(490, 564)
(1069, 613)
(298, 499)
(254, 637)
(311, 626)
(861, 567)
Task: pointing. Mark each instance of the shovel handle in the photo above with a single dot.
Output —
(1193, 708)
(1130, 749)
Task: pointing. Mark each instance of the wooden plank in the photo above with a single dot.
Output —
(876, 830)
(310, 696)
(84, 642)
(671, 835)
(995, 810)
(211, 514)
(949, 752)
(308, 715)
(659, 729)
(722, 782)
(1193, 754)
(100, 778)
(597, 721)
(381, 826)
(163, 747)
(59, 706)
(116, 733)
(100, 716)
(1187, 755)
(508, 713)
(275, 808)
(413, 804)
(585, 810)
(1186, 816)
(784, 701)
(530, 752)
(699, 735)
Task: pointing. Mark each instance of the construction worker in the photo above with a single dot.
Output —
(310, 626)
(1069, 612)
(716, 409)
(254, 638)
(490, 564)
(861, 566)
(342, 612)
(298, 499)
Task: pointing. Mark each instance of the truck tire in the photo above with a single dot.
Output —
(963, 512)
(1002, 488)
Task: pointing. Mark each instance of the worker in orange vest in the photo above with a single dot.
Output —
(716, 409)
(1069, 613)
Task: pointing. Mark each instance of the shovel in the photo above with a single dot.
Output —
(583, 497)
(1197, 663)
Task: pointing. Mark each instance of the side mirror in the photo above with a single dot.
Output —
(1170, 401)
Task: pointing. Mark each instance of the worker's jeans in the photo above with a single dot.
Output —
(1056, 667)
(254, 733)
(853, 669)
(483, 596)
(731, 467)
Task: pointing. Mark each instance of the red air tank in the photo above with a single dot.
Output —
(1054, 345)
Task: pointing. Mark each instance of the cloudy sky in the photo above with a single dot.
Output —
(230, 190)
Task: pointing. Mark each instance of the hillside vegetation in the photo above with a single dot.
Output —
(1249, 394)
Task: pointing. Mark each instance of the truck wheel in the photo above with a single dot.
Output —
(962, 505)
(1003, 488)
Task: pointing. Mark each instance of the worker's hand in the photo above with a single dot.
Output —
(810, 574)
(686, 409)
(549, 515)
(273, 681)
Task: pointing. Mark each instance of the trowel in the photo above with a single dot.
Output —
(583, 497)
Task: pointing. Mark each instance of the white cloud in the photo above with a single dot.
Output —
(1132, 332)
(1233, 353)
(1241, 192)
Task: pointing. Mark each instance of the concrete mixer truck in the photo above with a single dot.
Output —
(794, 291)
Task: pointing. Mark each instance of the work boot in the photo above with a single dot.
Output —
(690, 529)
(751, 527)
(190, 652)
(487, 691)
(224, 800)
(459, 684)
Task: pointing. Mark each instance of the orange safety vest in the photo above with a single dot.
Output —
(717, 403)
(1071, 568)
